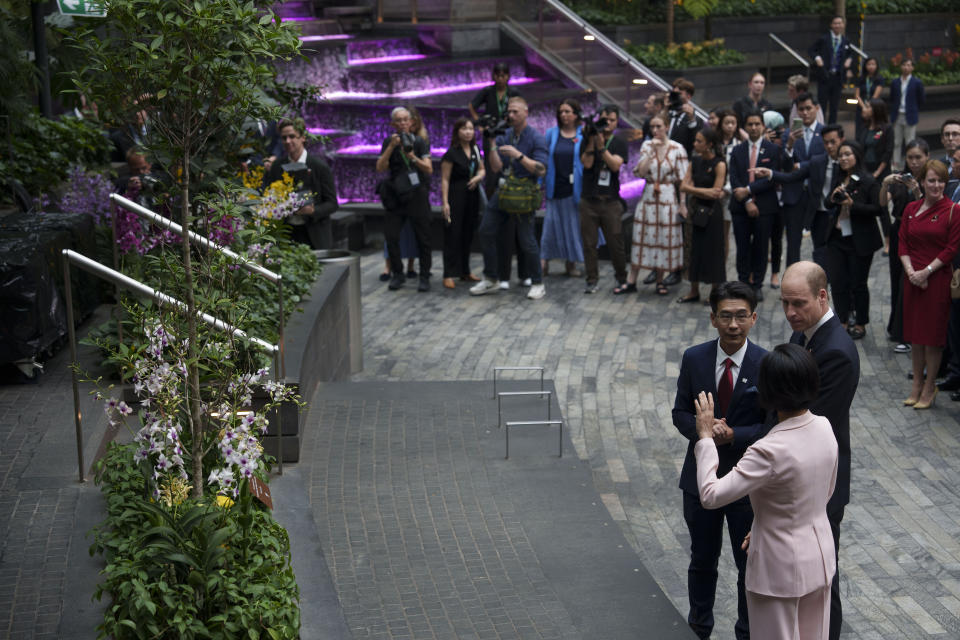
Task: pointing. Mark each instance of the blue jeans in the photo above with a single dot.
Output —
(493, 219)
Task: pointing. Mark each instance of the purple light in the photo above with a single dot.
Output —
(400, 58)
(332, 36)
(361, 149)
(320, 131)
(632, 189)
(297, 18)
(419, 93)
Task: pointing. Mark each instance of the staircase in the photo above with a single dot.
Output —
(365, 73)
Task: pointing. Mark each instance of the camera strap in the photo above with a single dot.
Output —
(411, 172)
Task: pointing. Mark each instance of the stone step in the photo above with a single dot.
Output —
(294, 8)
(371, 121)
(376, 48)
(401, 78)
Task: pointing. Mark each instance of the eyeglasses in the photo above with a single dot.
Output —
(740, 318)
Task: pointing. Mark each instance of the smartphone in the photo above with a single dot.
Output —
(796, 124)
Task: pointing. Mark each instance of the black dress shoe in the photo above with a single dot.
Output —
(651, 278)
(672, 279)
(950, 384)
(759, 293)
(396, 281)
(955, 396)
(423, 285)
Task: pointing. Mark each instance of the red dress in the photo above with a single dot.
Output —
(933, 234)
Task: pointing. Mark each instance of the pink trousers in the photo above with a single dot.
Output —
(803, 618)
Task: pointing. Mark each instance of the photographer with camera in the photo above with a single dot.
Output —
(520, 155)
(854, 238)
(683, 125)
(602, 155)
(405, 195)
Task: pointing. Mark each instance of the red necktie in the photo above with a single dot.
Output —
(753, 158)
(725, 388)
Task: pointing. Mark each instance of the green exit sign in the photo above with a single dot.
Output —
(88, 8)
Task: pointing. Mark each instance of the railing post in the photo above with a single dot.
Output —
(540, 23)
(769, 67)
(379, 11)
(413, 11)
(629, 82)
(71, 332)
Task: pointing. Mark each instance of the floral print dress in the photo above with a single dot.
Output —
(657, 229)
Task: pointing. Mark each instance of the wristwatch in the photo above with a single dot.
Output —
(929, 269)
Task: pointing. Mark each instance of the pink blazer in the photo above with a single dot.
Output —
(789, 474)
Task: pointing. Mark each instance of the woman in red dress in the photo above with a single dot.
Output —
(929, 238)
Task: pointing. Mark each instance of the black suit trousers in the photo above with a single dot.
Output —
(895, 323)
(793, 221)
(848, 273)
(418, 212)
(752, 236)
(706, 543)
(828, 95)
(836, 610)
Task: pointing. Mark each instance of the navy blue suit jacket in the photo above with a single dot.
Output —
(839, 366)
(823, 47)
(763, 190)
(814, 169)
(915, 99)
(698, 373)
(792, 192)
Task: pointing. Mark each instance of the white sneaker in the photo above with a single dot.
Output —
(484, 286)
(527, 282)
(536, 292)
(504, 285)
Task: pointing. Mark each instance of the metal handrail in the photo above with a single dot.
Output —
(206, 243)
(788, 49)
(860, 52)
(126, 282)
(796, 56)
(195, 238)
(596, 36)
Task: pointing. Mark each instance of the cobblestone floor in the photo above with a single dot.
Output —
(614, 361)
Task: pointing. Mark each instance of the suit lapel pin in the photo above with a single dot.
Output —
(743, 380)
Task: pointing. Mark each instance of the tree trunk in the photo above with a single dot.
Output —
(840, 8)
(707, 27)
(670, 21)
(193, 372)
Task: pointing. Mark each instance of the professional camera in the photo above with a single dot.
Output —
(492, 126)
(593, 126)
(848, 191)
(674, 101)
(406, 141)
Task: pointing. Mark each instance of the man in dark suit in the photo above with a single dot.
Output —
(803, 143)
(754, 201)
(727, 368)
(822, 176)
(804, 295)
(907, 97)
(311, 224)
(831, 54)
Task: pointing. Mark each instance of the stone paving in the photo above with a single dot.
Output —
(430, 533)
(614, 362)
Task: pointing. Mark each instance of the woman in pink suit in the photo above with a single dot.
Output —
(789, 475)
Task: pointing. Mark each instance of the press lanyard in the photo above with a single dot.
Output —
(607, 146)
(502, 103)
(474, 160)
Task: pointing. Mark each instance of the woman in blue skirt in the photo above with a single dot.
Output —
(563, 182)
